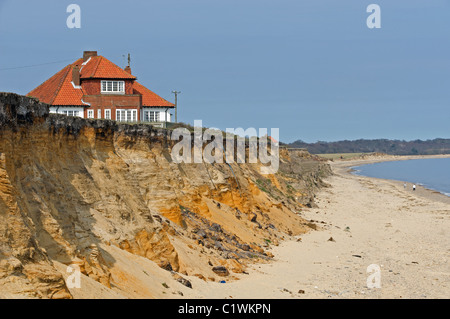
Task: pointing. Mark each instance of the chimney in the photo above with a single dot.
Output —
(76, 75)
(127, 68)
(88, 54)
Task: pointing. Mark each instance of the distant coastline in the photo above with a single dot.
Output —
(392, 147)
(422, 191)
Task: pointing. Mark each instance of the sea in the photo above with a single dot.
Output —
(431, 173)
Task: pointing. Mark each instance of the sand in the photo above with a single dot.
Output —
(363, 221)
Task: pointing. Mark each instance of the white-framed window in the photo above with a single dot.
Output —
(126, 115)
(70, 113)
(108, 114)
(90, 114)
(99, 113)
(151, 116)
(113, 86)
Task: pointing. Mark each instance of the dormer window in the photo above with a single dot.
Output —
(113, 86)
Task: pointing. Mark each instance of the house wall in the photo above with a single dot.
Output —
(83, 111)
(112, 102)
(99, 102)
(64, 109)
(161, 111)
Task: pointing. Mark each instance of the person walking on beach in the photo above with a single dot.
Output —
(414, 187)
(404, 185)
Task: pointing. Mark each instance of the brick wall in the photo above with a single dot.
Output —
(112, 102)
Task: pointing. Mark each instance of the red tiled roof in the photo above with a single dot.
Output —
(99, 67)
(58, 90)
(150, 98)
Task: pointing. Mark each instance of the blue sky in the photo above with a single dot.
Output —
(311, 68)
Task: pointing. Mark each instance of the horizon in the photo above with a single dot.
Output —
(372, 139)
(313, 69)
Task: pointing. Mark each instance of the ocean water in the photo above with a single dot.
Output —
(430, 173)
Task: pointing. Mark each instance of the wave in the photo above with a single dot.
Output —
(426, 173)
(355, 171)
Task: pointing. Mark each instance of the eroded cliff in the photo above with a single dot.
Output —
(108, 198)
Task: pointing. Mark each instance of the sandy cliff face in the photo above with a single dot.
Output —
(108, 198)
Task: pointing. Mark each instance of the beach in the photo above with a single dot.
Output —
(362, 222)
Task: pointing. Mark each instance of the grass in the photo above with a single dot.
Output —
(334, 156)
(263, 184)
(290, 188)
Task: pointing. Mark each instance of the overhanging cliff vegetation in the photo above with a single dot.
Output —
(107, 198)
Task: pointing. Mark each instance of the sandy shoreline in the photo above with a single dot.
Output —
(420, 191)
(364, 221)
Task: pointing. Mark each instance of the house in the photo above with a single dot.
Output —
(94, 87)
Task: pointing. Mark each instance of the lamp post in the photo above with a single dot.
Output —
(176, 106)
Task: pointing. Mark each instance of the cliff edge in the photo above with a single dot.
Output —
(106, 199)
